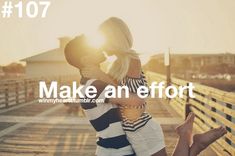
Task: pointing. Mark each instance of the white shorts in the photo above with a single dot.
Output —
(147, 140)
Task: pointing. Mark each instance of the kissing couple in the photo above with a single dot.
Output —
(123, 126)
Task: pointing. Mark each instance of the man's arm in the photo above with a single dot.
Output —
(133, 99)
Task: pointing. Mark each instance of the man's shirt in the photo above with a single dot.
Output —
(106, 119)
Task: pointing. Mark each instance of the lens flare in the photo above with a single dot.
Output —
(95, 39)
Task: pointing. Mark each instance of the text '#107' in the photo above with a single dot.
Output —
(30, 9)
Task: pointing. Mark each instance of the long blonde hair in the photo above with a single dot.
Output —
(118, 39)
(121, 65)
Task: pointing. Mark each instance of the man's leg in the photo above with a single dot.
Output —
(202, 141)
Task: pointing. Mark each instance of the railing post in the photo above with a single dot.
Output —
(187, 105)
(25, 91)
(17, 92)
(168, 67)
(6, 94)
(33, 89)
(35, 84)
(167, 63)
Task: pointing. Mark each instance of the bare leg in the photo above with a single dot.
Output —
(185, 134)
(160, 153)
(202, 141)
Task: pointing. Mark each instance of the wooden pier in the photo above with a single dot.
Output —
(29, 128)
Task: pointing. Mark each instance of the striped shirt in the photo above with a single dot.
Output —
(133, 84)
(106, 120)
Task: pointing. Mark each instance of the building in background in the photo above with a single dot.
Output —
(199, 60)
(190, 64)
(50, 63)
(196, 61)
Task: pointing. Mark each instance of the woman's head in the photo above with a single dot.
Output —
(119, 42)
(118, 36)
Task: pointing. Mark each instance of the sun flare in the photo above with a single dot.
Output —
(95, 39)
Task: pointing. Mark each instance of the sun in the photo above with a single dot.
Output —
(95, 39)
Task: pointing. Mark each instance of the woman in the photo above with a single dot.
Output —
(145, 135)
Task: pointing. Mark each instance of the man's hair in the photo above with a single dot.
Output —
(75, 50)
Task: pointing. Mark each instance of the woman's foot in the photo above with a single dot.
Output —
(202, 141)
(185, 129)
(185, 134)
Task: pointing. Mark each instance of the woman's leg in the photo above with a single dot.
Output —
(185, 134)
(202, 141)
(162, 152)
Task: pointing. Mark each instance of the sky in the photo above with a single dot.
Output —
(184, 26)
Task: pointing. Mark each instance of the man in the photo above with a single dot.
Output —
(104, 117)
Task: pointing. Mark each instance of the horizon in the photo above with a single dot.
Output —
(145, 61)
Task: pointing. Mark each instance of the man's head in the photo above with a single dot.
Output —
(79, 54)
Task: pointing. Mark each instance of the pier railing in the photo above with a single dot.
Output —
(212, 107)
(18, 91)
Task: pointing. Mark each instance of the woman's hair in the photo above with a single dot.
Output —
(118, 39)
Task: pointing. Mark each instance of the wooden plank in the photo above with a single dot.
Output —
(177, 108)
(179, 82)
(213, 114)
(15, 127)
(220, 95)
(216, 105)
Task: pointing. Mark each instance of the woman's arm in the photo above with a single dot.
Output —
(134, 70)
